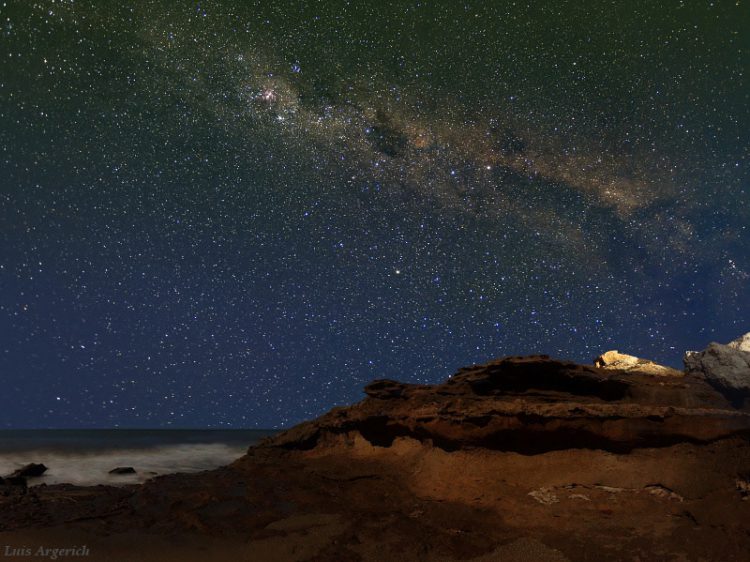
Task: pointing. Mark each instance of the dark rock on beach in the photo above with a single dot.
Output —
(30, 470)
(123, 470)
(15, 481)
(12, 485)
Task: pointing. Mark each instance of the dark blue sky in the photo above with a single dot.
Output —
(237, 214)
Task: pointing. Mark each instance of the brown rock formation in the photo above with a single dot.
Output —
(531, 405)
(519, 459)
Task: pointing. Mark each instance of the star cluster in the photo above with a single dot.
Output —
(235, 214)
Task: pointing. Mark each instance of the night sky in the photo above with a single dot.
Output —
(236, 214)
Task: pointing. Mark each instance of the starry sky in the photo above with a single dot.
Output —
(236, 214)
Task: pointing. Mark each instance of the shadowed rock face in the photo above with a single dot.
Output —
(533, 405)
(523, 458)
(725, 367)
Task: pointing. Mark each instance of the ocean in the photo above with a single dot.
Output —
(85, 457)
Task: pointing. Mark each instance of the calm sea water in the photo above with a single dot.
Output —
(85, 457)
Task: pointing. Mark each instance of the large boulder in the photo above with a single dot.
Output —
(725, 367)
(615, 360)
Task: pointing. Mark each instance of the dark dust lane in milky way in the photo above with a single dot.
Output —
(233, 214)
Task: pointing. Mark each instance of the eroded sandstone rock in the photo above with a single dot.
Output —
(531, 405)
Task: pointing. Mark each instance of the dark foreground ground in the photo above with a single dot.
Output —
(522, 459)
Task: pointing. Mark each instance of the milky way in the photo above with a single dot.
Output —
(222, 214)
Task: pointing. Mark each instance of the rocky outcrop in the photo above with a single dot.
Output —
(533, 405)
(522, 458)
(620, 361)
(725, 367)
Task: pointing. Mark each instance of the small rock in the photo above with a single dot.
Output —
(14, 484)
(545, 496)
(744, 487)
(30, 470)
(15, 481)
(663, 492)
(385, 389)
(123, 470)
(610, 489)
(725, 367)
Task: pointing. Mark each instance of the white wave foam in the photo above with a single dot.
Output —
(91, 468)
